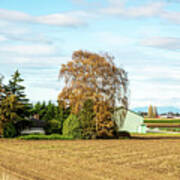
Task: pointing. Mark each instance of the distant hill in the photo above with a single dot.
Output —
(162, 109)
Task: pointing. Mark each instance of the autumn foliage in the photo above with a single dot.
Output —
(95, 77)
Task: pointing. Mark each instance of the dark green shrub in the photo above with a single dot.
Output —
(9, 130)
(86, 117)
(72, 127)
(123, 134)
(53, 126)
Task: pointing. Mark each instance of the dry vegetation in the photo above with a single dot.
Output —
(94, 159)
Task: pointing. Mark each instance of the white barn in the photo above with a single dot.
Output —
(129, 121)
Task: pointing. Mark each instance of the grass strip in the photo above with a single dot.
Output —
(162, 121)
(44, 137)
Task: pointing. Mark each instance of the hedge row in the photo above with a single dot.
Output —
(45, 137)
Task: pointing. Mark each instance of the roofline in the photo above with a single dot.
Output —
(121, 107)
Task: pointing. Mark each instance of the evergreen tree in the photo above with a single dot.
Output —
(40, 109)
(14, 87)
(50, 112)
(14, 106)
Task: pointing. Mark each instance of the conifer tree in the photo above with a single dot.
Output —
(50, 112)
(14, 106)
(14, 87)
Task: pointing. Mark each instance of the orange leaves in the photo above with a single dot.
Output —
(93, 76)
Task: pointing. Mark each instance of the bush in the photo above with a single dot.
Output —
(123, 134)
(45, 137)
(53, 126)
(9, 130)
(86, 117)
(72, 127)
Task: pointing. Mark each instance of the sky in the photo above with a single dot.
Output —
(38, 36)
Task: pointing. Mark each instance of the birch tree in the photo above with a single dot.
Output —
(96, 77)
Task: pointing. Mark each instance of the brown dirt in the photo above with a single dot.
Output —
(96, 159)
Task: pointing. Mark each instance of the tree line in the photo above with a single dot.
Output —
(94, 86)
(16, 110)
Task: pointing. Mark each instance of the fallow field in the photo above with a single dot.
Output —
(94, 159)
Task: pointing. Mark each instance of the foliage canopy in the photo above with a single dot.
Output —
(93, 76)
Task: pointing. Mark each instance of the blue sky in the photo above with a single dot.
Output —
(38, 36)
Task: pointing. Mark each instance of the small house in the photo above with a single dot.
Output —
(129, 121)
(35, 126)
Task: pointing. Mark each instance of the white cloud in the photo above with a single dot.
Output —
(156, 85)
(15, 16)
(171, 16)
(19, 33)
(153, 9)
(32, 38)
(112, 39)
(58, 19)
(80, 2)
(170, 43)
(2, 38)
(28, 49)
(33, 61)
(148, 10)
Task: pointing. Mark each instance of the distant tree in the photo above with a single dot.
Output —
(143, 114)
(51, 111)
(150, 111)
(93, 76)
(40, 109)
(155, 113)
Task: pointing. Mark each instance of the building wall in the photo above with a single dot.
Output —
(33, 131)
(132, 122)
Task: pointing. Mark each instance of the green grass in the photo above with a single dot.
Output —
(170, 129)
(155, 134)
(162, 121)
(44, 137)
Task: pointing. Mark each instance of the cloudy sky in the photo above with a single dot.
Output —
(37, 36)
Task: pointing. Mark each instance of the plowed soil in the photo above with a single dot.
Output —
(94, 159)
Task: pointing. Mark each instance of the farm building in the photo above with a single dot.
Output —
(129, 121)
(33, 126)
